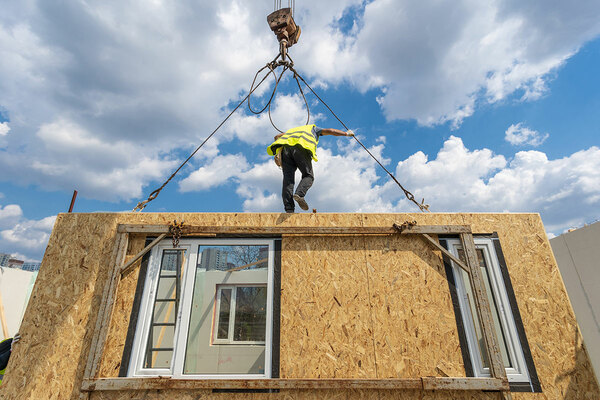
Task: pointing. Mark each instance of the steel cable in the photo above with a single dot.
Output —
(141, 205)
(272, 67)
(422, 206)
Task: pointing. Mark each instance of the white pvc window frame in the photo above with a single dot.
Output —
(518, 372)
(190, 262)
(232, 311)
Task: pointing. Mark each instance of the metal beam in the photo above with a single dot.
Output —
(196, 230)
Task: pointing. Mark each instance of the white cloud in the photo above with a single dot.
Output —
(565, 191)
(4, 128)
(343, 183)
(288, 110)
(67, 156)
(436, 60)
(22, 236)
(141, 81)
(220, 169)
(519, 135)
(9, 215)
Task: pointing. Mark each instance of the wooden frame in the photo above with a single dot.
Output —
(497, 382)
(425, 383)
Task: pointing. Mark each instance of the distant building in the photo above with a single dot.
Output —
(14, 263)
(31, 266)
(213, 258)
(4, 259)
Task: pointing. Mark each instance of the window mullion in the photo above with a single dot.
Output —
(232, 313)
(186, 278)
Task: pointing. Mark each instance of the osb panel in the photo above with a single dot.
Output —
(56, 330)
(415, 328)
(326, 329)
(115, 342)
(49, 361)
(561, 360)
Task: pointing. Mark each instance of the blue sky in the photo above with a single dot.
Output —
(475, 107)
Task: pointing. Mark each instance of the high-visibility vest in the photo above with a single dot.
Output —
(304, 135)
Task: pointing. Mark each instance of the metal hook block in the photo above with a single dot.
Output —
(283, 25)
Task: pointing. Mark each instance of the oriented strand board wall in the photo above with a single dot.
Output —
(394, 317)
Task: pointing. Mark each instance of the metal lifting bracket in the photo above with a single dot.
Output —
(284, 27)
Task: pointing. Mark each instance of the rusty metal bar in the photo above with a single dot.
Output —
(73, 200)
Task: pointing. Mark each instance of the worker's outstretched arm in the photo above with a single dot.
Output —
(336, 132)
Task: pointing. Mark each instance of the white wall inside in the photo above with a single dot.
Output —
(15, 289)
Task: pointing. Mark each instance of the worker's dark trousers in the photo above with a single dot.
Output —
(292, 158)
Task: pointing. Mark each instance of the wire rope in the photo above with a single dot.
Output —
(141, 205)
(287, 65)
(422, 206)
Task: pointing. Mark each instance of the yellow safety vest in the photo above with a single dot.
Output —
(302, 135)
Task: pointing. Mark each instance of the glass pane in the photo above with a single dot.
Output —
(164, 312)
(159, 359)
(160, 343)
(162, 329)
(162, 337)
(211, 348)
(250, 314)
(493, 306)
(167, 288)
(224, 307)
(169, 262)
(232, 258)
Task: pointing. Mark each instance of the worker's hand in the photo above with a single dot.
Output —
(349, 132)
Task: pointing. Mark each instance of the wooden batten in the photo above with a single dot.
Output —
(109, 302)
(426, 383)
(196, 230)
(128, 266)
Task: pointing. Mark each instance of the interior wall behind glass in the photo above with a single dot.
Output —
(218, 266)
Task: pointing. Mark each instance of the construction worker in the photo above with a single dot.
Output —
(293, 150)
(5, 349)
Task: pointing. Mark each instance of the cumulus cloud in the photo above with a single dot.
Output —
(519, 135)
(565, 191)
(217, 172)
(287, 110)
(145, 81)
(9, 215)
(21, 236)
(4, 128)
(437, 60)
(68, 156)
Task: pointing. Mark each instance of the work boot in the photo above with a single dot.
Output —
(301, 202)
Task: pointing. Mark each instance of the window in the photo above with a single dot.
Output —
(241, 315)
(504, 321)
(206, 310)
